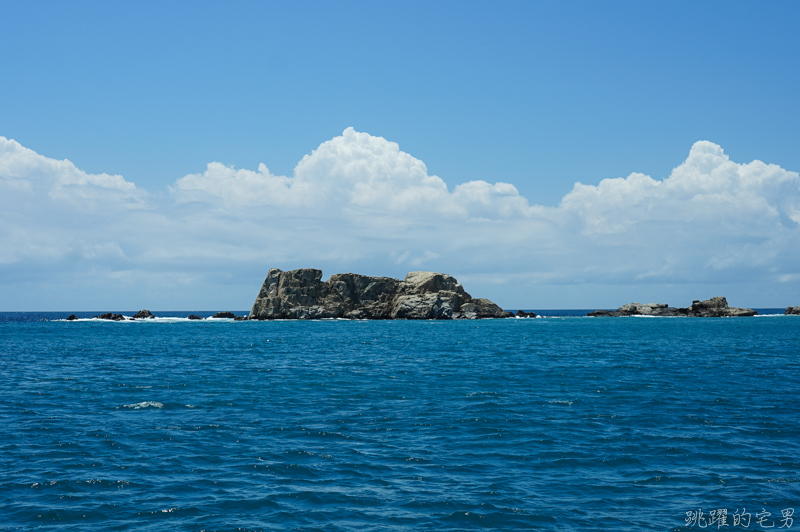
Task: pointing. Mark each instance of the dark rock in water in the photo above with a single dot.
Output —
(480, 308)
(605, 314)
(301, 294)
(72, 317)
(715, 307)
(224, 315)
(792, 310)
(143, 315)
(111, 316)
(194, 317)
(240, 318)
(523, 314)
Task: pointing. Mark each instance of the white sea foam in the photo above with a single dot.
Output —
(168, 319)
(145, 404)
(560, 402)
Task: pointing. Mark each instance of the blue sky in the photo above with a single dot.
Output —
(536, 95)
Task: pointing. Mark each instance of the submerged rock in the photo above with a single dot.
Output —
(792, 310)
(716, 307)
(111, 316)
(523, 314)
(194, 317)
(144, 315)
(301, 294)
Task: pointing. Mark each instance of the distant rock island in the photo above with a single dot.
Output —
(792, 310)
(301, 294)
(716, 307)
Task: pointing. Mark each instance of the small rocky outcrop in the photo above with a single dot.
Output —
(72, 317)
(642, 309)
(228, 315)
(144, 315)
(523, 314)
(111, 316)
(194, 317)
(240, 318)
(792, 310)
(301, 294)
(716, 307)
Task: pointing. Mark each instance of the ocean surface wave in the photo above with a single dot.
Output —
(544, 424)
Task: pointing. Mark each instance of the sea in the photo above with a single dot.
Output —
(561, 422)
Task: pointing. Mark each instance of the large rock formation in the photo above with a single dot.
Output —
(301, 294)
(792, 310)
(716, 307)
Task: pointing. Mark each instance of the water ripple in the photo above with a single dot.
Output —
(547, 424)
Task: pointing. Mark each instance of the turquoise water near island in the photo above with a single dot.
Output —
(557, 423)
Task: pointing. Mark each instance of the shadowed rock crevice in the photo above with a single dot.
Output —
(301, 294)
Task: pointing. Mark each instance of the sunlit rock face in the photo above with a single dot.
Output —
(301, 294)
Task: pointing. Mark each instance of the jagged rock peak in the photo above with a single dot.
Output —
(301, 294)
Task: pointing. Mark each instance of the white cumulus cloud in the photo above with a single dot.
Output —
(355, 173)
(707, 188)
(359, 203)
(26, 174)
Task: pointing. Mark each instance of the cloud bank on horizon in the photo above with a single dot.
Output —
(359, 203)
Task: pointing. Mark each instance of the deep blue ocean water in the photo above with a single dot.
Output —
(561, 423)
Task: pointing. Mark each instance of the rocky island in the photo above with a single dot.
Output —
(716, 307)
(301, 294)
(792, 310)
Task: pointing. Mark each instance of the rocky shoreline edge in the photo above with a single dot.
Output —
(302, 295)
